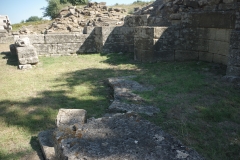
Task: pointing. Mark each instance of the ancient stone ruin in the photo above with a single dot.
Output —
(114, 136)
(167, 30)
(26, 53)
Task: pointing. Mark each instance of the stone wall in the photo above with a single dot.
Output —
(177, 44)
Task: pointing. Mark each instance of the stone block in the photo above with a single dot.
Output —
(27, 55)
(67, 117)
(218, 47)
(212, 33)
(223, 35)
(144, 55)
(159, 31)
(45, 139)
(144, 32)
(178, 44)
(66, 48)
(144, 44)
(217, 58)
(197, 45)
(46, 49)
(184, 55)
(25, 66)
(141, 20)
(39, 38)
(65, 38)
(164, 55)
(206, 56)
(22, 42)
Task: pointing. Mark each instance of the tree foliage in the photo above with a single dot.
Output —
(33, 18)
(74, 2)
(55, 6)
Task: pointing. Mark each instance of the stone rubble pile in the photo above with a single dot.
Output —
(73, 19)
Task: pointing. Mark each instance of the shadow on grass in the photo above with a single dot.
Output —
(12, 60)
(171, 81)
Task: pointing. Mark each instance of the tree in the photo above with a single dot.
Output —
(53, 9)
(55, 6)
(33, 18)
(74, 2)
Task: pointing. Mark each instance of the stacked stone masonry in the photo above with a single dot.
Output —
(198, 31)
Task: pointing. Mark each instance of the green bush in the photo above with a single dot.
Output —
(33, 19)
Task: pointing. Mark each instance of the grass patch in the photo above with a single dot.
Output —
(195, 105)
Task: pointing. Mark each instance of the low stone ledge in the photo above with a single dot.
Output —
(123, 88)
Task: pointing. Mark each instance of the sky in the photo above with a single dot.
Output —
(18, 10)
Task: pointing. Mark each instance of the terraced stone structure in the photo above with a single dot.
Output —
(167, 30)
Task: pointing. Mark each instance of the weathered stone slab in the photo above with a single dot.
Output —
(45, 139)
(67, 117)
(27, 55)
(120, 136)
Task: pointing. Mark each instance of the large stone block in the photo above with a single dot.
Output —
(46, 49)
(27, 55)
(67, 48)
(217, 58)
(39, 38)
(66, 38)
(218, 47)
(144, 32)
(184, 55)
(144, 44)
(223, 35)
(206, 56)
(67, 117)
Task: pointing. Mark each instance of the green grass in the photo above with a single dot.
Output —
(196, 106)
